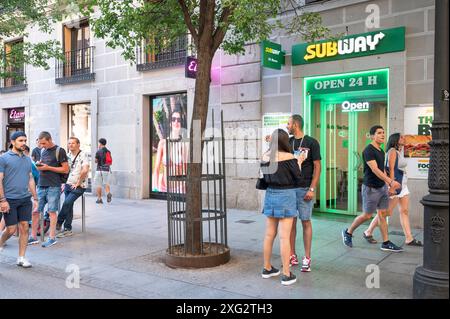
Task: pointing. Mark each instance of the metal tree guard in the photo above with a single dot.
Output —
(214, 249)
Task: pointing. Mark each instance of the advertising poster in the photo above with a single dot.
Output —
(161, 126)
(418, 121)
(271, 122)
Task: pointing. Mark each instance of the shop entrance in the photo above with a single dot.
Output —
(339, 112)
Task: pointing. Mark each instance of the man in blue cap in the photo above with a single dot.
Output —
(17, 186)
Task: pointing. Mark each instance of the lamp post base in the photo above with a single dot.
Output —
(430, 284)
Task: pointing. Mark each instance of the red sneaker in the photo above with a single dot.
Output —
(306, 264)
(293, 260)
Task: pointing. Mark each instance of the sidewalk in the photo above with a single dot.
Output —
(121, 256)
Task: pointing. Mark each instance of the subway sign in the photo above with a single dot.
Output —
(272, 55)
(351, 46)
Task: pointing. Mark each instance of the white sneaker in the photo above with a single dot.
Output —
(23, 262)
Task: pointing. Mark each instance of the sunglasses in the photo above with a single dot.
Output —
(176, 119)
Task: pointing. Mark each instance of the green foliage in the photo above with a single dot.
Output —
(17, 17)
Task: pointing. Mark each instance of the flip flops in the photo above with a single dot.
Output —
(369, 239)
(415, 242)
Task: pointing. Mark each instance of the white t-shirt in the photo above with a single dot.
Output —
(75, 169)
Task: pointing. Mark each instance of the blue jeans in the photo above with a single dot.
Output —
(66, 214)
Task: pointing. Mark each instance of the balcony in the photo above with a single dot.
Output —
(14, 84)
(173, 55)
(77, 66)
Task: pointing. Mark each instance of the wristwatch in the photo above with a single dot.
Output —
(311, 189)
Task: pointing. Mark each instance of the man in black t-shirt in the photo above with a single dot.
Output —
(52, 164)
(103, 172)
(36, 153)
(375, 192)
(307, 151)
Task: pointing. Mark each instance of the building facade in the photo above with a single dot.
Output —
(96, 93)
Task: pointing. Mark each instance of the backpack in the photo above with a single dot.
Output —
(108, 158)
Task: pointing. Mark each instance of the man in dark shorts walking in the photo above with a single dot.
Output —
(377, 186)
(16, 183)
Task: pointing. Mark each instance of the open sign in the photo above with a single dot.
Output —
(355, 107)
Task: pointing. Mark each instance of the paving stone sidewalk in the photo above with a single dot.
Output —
(121, 255)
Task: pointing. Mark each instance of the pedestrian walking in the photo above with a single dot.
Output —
(396, 168)
(74, 187)
(377, 186)
(102, 177)
(36, 152)
(53, 168)
(16, 189)
(307, 151)
(281, 174)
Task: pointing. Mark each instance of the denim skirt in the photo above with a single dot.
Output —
(280, 203)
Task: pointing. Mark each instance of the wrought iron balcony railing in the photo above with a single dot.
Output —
(173, 55)
(77, 66)
(14, 84)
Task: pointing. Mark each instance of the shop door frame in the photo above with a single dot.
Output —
(352, 178)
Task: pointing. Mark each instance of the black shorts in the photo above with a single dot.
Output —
(19, 211)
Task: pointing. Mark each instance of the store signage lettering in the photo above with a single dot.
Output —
(375, 80)
(190, 69)
(16, 116)
(355, 107)
(424, 126)
(352, 46)
(272, 55)
(342, 47)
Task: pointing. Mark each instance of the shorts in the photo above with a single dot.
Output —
(280, 203)
(48, 195)
(304, 207)
(101, 178)
(374, 199)
(19, 211)
(404, 192)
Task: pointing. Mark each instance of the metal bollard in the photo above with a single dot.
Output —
(83, 214)
(41, 222)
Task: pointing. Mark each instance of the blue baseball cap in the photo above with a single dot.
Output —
(17, 134)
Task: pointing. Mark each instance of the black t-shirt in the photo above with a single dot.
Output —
(36, 154)
(100, 156)
(48, 156)
(371, 153)
(310, 148)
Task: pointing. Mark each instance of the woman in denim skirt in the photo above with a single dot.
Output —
(281, 173)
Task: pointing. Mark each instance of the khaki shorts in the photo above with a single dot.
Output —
(102, 178)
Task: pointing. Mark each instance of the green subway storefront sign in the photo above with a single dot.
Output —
(359, 81)
(272, 55)
(352, 46)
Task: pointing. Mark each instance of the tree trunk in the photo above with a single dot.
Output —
(194, 170)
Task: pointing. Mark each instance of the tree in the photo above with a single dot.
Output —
(17, 18)
(229, 24)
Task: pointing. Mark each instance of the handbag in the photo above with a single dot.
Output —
(261, 184)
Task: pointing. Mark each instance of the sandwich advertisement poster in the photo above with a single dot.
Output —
(418, 121)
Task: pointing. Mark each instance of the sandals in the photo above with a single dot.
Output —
(415, 242)
(369, 239)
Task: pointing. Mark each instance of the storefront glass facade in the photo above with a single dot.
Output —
(340, 109)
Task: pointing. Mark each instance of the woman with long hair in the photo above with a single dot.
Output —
(396, 168)
(280, 172)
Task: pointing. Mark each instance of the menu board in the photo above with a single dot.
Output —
(271, 122)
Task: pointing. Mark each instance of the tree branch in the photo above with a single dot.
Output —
(202, 16)
(187, 19)
(222, 28)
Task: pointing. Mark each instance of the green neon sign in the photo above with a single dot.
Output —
(348, 106)
(349, 82)
(351, 46)
(271, 55)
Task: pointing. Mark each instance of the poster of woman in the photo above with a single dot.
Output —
(169, 116)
